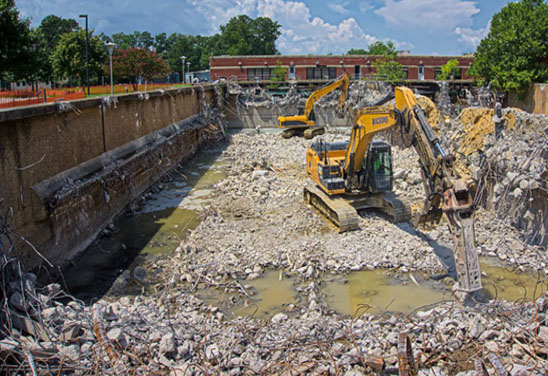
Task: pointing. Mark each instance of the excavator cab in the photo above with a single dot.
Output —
(311, 116)
(378, 167)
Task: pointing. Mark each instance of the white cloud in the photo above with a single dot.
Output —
(364, 6)
(431, 15)
(472, 37)
(218, 12)
(303, 34)
(338, 7)
(300, 32)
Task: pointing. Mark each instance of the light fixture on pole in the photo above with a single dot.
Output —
(87, 42)
(110, 47)
(183, 77)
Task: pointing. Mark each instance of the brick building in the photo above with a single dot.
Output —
(320, 67)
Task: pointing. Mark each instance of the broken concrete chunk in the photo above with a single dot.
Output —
(258, 173)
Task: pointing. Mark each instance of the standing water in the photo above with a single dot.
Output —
(155, 230)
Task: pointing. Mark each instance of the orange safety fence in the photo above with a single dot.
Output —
(24, 98)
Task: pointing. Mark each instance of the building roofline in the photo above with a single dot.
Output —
(327, 56)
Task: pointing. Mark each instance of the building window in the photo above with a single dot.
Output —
(405, 73)
(357, 72)
(437, 72)
(319, 73)
(261, 73)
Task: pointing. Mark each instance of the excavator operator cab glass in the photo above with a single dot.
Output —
(380, 164)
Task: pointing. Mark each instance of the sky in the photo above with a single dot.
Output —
(425, 27)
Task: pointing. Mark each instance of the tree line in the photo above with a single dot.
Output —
(55, 50)
(513, 55)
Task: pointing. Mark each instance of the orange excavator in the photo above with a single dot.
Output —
(346, 177)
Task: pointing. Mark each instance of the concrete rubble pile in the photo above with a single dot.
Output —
(257, 221)
(360, 94)
(175, 333)
(444, 100)
(511, 170)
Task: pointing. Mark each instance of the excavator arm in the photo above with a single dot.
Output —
(342, 82)
(304, 120)
(446, 192)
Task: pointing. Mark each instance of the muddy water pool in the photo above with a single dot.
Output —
(156, 229)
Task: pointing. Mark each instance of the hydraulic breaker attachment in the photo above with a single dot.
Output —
(459, 209)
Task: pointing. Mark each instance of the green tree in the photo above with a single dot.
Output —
(451, 68)
(354, 51)
(377, 48)
(69, 57)
(197, 50)
(389, 70)
(16, 44)
(511, 56)
(243, 35)
(46, 38)
(135, 63)
(380, 48)
(125, 41)
(279, 73)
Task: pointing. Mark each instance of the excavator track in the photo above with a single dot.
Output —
(310, 133)
(396, 208)
(292, 132)
(339, 212)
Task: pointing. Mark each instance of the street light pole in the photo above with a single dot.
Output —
(87, 58)
(188, 70)
(183, 59)
(110, 47)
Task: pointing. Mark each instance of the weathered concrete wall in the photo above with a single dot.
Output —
(67, 169)
(267, 117)
(534, 101)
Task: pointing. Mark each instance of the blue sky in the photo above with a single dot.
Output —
(428, 27)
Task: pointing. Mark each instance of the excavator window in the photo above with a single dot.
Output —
(381, 164)
(380, 167)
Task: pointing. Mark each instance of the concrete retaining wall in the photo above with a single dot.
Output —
(267, 117)
(68, 168)
(535, 100)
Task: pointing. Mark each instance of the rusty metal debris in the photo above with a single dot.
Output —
(105, 342)
(406, 360)
(481, 369)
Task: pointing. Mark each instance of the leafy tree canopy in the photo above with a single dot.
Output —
(389, 70)
(279, 72)
(16, 50)
(511, 56)
(133, 63)
(135, 40)
(377, 48)
(356, 51)
(243, 35)
(69, 57)
(451, 68)
(46, 37)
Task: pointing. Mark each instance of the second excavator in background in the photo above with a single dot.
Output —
(304, 124)
(356, 175)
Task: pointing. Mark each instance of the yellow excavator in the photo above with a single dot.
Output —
(304, 124)
(351, 176)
